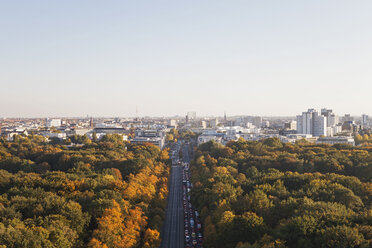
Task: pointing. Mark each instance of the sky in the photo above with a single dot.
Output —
(107, 58)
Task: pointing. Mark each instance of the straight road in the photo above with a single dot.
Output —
(173, 233)
(185, 153)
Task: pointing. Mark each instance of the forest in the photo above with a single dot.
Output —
(101, 194)
(269, 194)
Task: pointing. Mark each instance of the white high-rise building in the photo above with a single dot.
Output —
(304, 122)
(311, 122)
(332, 119)
(319, 125)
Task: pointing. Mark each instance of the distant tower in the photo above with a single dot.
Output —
(91, 122)
(225, 117)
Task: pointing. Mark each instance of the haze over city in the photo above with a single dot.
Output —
(78, 58)
(185, 124)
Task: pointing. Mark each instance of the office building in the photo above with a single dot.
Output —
(319, 125)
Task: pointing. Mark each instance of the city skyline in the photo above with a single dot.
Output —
(246, 58)
(183, 115)
(185, 124)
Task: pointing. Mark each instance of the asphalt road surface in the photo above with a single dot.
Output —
(173, 234)
(185, 153)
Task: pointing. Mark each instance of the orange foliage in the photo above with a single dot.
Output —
(94, 243)
(116, 230)
(110, 227)
(151, 239)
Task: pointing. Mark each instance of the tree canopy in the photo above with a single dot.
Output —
(105, 193)
(271, 194)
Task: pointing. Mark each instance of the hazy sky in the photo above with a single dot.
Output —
(102, 58)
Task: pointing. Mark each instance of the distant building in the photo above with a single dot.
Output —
(213, 123)
(10, 134)
(332, 119)
(111, 130)
(286, 132)
(82, 131)
(191, 116)
(54, 135)
(291, 125)
(153, 136)
(365, 121)
(350, 126)
(155, 141)
(257, 121)
(311, 122)
(336, 140)
(208, 137)
(292, 138)
(331, 131)
(172, 123)
(304, 122)
(91, 123)
(265, 124)
(53, 122)
(319, 125)
(149, 133)
(347, 118)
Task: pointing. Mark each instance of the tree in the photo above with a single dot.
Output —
(341, 236)
(111, 228)
(94, 137)
(151, 239)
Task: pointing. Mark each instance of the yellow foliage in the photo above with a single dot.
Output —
(94, 243)
(151, 238)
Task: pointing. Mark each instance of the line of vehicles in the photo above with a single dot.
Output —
(174, 152)
(193, 227)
